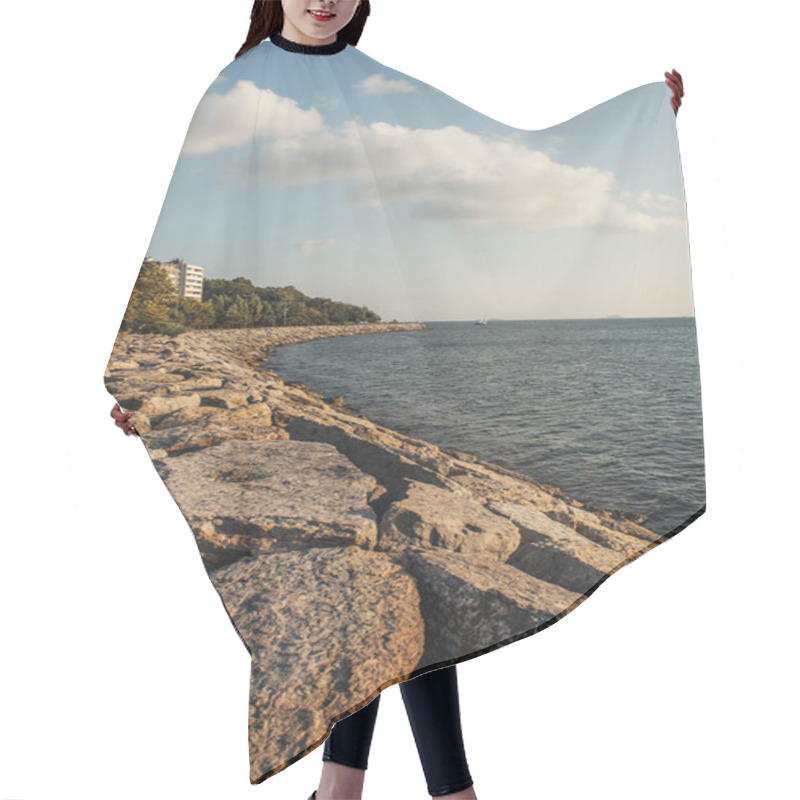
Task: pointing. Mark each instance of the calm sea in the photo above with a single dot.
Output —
(608, 410)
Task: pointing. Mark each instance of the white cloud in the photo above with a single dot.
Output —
(234, 118)
(380, 84)
(444, 173)
(661, 204)
(451, 174)
(324, 100)
(315, 245)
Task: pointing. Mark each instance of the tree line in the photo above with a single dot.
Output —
(155, 307)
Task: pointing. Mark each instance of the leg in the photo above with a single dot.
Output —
(433, 710)
(345, 755)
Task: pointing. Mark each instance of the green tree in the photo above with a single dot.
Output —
(243, 312)
(151, 306)
(196, 314)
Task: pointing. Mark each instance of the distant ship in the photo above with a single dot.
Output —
(482, 321)
(614, 316)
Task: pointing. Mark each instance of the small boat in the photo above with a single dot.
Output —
(482, 321)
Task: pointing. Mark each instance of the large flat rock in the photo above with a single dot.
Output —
(326, 628)
(242, 497)
(474, 602)
(434, 517)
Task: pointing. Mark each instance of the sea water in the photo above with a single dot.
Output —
(607, 410)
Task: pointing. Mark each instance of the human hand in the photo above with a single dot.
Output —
(675, 82)
(123, 420)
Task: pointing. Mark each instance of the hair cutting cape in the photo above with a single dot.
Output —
(419, 381)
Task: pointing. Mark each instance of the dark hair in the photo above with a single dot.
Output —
(266, 18)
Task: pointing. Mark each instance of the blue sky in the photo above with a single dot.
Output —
(350, 180)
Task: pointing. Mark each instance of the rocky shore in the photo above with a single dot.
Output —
(348, 555)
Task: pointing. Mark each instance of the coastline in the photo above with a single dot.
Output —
(284, 488)
(215, 380)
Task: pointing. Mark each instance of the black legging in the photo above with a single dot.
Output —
(431, 701)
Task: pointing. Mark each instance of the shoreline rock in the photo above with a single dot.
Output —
(216, 378)
(270, 474)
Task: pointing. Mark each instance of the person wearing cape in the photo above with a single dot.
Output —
(419, 381)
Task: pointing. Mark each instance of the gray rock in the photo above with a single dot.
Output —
(160, 405)
(474, 602)
(555, 552)
(223, 398)
(433, 517)
(241, 497)
(327, 629)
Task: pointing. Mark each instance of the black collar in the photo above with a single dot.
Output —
(310, 49)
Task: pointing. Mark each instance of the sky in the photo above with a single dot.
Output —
(350, 180)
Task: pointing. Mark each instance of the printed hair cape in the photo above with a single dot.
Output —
(491, 400)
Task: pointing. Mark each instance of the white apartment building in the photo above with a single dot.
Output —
(188, 278)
